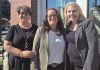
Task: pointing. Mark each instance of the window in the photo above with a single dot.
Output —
(94, 13)
(94, 3)
(58, 4)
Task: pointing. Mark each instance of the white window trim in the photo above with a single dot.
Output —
(41, 11)
(84, 5)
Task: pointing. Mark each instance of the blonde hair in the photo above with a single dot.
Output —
(81, 16)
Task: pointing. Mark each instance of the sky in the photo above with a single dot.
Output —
(9, 0)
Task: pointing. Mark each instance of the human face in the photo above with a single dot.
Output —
(52, 18)
(72, 13)
(24, 17)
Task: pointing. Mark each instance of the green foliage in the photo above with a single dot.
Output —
(5, 9)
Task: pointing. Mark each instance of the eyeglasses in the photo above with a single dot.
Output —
(49, 16)
(24, 13)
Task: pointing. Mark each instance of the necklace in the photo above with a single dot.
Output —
(25, 35)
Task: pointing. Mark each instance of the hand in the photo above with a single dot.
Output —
(27, 54)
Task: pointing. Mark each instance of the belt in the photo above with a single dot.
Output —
(54, 64)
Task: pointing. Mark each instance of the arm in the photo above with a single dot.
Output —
(15, 51)
(35, 50)
(92, 48)
(8, 45)
(9, 48)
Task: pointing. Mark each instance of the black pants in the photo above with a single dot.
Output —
(59, 67)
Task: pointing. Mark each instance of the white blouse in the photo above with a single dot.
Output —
(56, 48)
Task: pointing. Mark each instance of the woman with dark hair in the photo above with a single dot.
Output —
(49, 44)
(19, 40)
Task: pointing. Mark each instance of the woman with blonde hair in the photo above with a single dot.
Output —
(81, 37)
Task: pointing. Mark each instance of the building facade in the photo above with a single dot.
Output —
(39, 7)
(13, 12)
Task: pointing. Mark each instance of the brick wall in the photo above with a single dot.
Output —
(14, 15)
(34, 10)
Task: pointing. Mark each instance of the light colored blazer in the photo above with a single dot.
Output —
(40, 48)
(85, 40)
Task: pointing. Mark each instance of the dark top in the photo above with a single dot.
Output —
(73, 52)
(18, 36)
(86, 43)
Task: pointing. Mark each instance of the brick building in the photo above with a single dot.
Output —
(39, 7)
(14, 15)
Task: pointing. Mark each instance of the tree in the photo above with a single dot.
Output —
(6, 9)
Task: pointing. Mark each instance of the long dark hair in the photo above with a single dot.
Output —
(60, 25)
